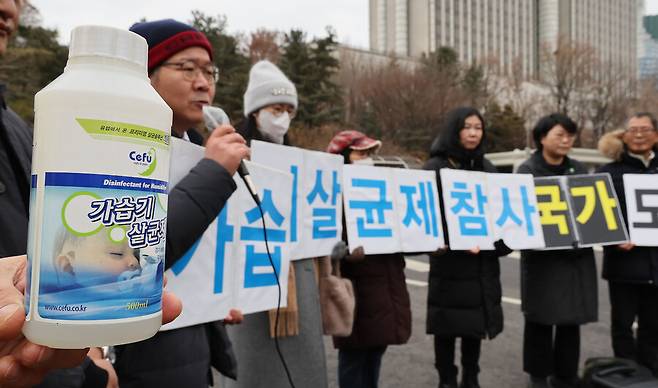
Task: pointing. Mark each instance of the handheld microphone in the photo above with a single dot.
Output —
(213, 117)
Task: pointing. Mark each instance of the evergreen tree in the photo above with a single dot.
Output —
(233, 64)
(443, 61)
(34, 48)
(327, 98)
(366, 121)
(297, 65)
(505, 128)
(312, 68)
(474, 85)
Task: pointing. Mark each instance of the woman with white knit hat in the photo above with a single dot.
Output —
(270, 103)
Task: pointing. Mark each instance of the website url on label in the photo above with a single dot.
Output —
(66, 307)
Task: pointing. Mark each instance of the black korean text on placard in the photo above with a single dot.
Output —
(595, 209)
(554, 213)
(643, 200)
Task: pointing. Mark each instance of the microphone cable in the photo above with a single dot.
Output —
(213, 117)
(278, 284)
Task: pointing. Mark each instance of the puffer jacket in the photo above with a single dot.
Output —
(465, 294)
(640, 264)
(182, 357)
(558, 287)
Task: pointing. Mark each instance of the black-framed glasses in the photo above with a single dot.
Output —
(191, 70)
(640, 130)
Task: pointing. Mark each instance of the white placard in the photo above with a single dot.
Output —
(514, 211)
(419, 211)
(229, 267)
(255, 284)
(316, 200)
(466, 208)
(391, 210)
(642, 208)
(370, 209)
(288, 159)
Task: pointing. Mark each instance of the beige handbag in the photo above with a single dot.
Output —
(336, 300)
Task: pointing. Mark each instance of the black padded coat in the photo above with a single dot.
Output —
(182, 357)
(558, 287)
(464, 295)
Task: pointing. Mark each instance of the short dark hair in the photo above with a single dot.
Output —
(639, 115)
(546, 123)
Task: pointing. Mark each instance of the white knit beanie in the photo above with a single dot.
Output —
(268, 85)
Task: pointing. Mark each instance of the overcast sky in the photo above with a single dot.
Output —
(651, 7)
(348, 17)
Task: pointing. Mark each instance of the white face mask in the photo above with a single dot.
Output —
(273, 127)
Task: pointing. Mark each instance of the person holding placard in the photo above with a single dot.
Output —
(270, 103)
(464, 296)
(383, 312)
(181, 70)
(558, 287)
(632, 271)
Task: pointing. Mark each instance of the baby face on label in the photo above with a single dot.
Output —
(96, 254)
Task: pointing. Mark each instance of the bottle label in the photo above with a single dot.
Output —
(102, 246)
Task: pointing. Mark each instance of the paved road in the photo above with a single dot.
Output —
(412, 365)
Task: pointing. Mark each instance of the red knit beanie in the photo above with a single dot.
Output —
(167, 37)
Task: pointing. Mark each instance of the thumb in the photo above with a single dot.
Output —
(171, 307)
(12, 317)
(222, 130)
(12, 313)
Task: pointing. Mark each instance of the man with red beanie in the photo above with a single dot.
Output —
(181, 70)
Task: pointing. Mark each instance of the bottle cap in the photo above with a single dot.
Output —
(108, 42)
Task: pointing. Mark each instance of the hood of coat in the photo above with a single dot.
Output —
(611, 144)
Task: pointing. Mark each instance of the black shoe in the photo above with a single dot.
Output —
(537, 382)
(448, 384)
(558, 382)
(470, 381)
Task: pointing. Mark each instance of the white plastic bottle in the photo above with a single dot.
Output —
(98, 202)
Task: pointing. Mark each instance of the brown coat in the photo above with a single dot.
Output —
(383, 310)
